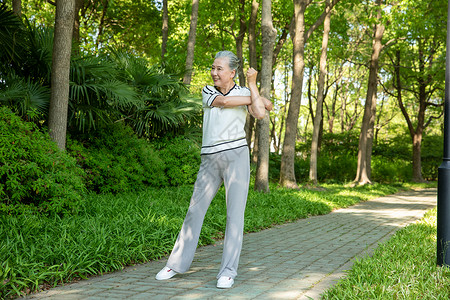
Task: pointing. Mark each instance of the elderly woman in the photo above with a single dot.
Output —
(224, 158)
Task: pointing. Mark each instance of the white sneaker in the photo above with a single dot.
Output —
(225, 282)
(165, 273)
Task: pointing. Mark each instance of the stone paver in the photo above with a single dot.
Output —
(293, 261)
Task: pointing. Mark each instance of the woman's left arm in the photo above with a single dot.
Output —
(232, 101)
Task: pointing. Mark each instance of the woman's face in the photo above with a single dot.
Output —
(221, 73)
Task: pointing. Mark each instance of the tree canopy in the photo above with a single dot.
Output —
(117, 55)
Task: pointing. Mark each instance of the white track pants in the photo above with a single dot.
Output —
(232, 167)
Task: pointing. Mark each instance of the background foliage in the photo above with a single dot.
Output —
(34, 172)
(116, 160)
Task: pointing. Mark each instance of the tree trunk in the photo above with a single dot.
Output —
(332, 114)
(249, 128)
(102, 23)
(255, 147)
(283, 108)
(250, 122)
(310, 95)
(366, 136)
(17, 7)
(62, 46)
(263, 126)
(280, 44)
(76, 25)
(379, 124)
(343, 115)
(273, 134)
(415, 133)
(164, 30)
(423, 95)
(371, 131)
(283, 118)
(191, 43)
(252, 35)
(287, 173)
(240, 41)
(320, 96)
(417, 157)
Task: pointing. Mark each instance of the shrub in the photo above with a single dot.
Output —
(432, 154)
(116, 160)
(330, 168)
(181, 157)
(33, 171)
(344, 143)
(338, 167)
(337, 162)
(398, 147)
(391, 170)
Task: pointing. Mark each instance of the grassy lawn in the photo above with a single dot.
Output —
(112, 231)
(404, 267)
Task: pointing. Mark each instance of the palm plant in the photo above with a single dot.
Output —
(103, 88)
(27, 98)
(10, 29)
(96, 95)
(25, 60)
(167, 106)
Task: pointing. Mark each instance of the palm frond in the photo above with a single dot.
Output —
(155, 120)
(121, 95)
(10, 31)
(86, 117)
(26, 97)
(96, 96)
(39, 48)
(88, 68)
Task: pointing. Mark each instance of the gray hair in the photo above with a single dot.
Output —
(233, 61)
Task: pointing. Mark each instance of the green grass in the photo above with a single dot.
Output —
(112, 231)
(402, 268)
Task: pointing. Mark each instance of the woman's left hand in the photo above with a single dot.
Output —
(267, 104)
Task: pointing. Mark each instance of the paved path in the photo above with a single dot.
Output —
(294, 261)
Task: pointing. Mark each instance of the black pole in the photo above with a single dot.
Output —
(443, 206)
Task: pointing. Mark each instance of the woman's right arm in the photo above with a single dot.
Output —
(257, 108)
